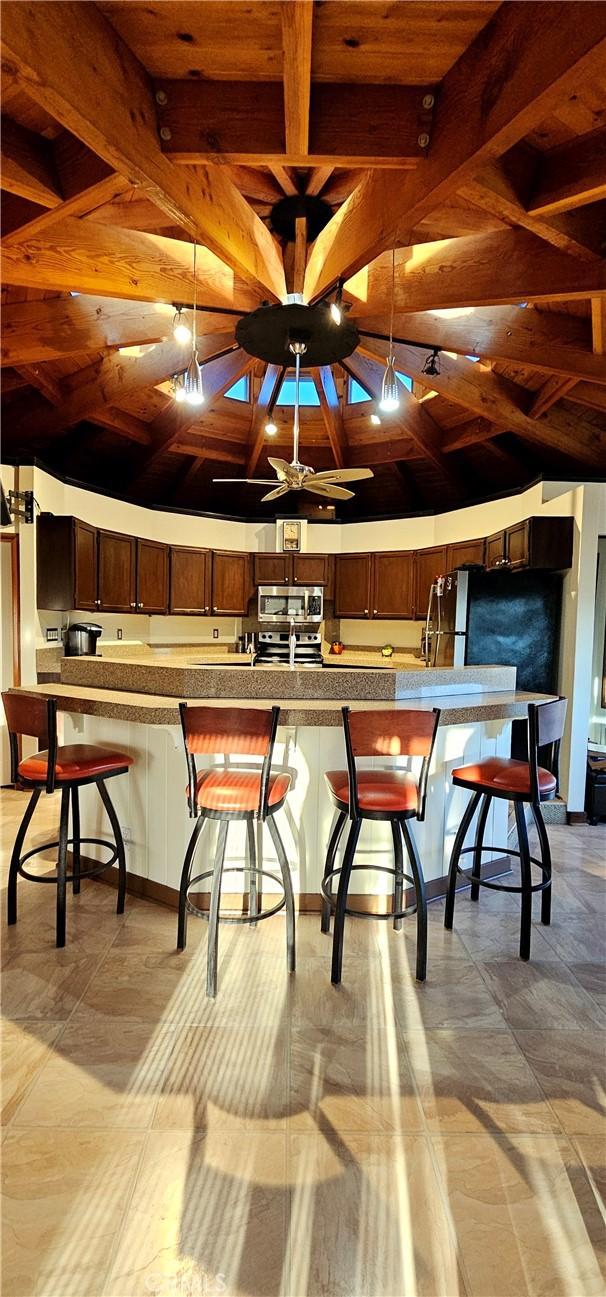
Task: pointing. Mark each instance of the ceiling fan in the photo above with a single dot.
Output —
(300, 477)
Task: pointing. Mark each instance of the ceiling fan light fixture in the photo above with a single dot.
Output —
(192, 383)
(181, 329)
(390, 397)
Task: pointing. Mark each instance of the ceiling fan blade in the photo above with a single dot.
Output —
(344, 475)
(324, 488)
(273, 495)
(281, 465)
(247, 481)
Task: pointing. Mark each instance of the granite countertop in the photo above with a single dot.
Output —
(158, 709)
(181, 677)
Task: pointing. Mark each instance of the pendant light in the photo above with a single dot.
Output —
(390, 396)
(192, 383)
(181, 329)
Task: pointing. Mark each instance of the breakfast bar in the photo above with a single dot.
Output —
(132, 704)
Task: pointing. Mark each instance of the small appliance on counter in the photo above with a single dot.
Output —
(80, 640)
(274, 648)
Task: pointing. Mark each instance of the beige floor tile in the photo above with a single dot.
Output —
(64, 1201)
(540, 994)
(91, 921)
(526, 1221)
(153, 928)
(105, 1072)
(579, 939)
(209, 1214)
(571, 1070)
(454, 995)
(351, 1079)
(476, 1081)
(364, 995)
(142, 984)
(592, 1153)
(497, 936)
(366, 1217)
(25, 1048)
(218, 1078)
(592, 978)
(47, 983)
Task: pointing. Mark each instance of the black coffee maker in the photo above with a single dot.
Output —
(81, 639)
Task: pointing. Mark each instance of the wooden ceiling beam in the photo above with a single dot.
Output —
(505, 83)
(502, 402)
(297, 24)
(493, 191)
(270, 386)
(83, 181)
(588, 394)
(206, 122)
(172, 423)
(109, 416)
(104, 97)
(81, 256)
(550, 392)
(52, 328)
(28, 165)
(500, 268)
(570, 175)
(317, 179)
(50, 387)
(331, 413)
(556, 344)
(598, 325)
(469, 434)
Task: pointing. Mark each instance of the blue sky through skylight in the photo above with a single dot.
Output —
(239, 390)
(307, 392)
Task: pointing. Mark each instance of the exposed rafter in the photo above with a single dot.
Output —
(331, 413)
(272, 382)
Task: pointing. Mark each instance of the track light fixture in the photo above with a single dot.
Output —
(181, 329)
(271, 428)
(431, 365)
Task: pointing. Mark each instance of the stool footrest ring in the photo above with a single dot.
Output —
(504, 887)
(364, 914)
(240, 918)
(85, 873)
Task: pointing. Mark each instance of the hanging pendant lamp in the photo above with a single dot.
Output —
(390, 395)
(192, 383)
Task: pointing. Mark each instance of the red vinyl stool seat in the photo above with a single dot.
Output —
(378, 790)
(523, 783)
(503, 776)
(74, 761)
(68, 768)
(239, 790)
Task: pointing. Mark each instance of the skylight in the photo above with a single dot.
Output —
(239, 390)
(356, 393)
(307, 392)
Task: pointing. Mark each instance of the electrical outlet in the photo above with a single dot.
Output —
(215, 632)
(52, 634)
(127, 834)
(119, 633)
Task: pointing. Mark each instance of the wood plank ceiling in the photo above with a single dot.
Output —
(469, 136)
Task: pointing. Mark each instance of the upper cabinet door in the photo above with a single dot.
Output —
(495, 551)
(465, 551)
(429, 564)
(310, 569)
(190, 577)
(518, 544)
(393, 586)
(231, 582)
(85, 567)
(272, 569)
(352, 594)
(152, 577)
(117, 555)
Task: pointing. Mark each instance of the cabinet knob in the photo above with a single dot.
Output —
(132, 604)
(366, 612)
(374, 612)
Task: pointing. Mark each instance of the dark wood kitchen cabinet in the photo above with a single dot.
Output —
(66, 564)
(272, 569)
(230, 582)
(465, 551)
(495, 549)
(543, 544)
(117, 568)
(429, 563)
(353, 585)
(190, 581)
(393, 585)
(152, 577)
(310, 569)
(291, 569)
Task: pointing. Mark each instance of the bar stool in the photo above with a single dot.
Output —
(68, 768)
(523, 783)
(388, 795)
(229, 795)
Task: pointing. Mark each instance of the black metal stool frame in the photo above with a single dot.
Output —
(263, 813)
(69, 793)
(527, 888)
(400, 831)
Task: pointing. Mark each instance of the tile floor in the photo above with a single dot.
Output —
(293, 1138)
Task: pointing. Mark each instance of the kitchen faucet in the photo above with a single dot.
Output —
(292, 644)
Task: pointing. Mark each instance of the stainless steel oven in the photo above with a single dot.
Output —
(284, 603)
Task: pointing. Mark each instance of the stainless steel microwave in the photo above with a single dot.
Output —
(284, 603)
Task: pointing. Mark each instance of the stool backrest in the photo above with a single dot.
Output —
(546, 723)
(229, 731)
(36, 717)
(403, 733)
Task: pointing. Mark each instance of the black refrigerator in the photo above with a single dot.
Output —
(502, 618)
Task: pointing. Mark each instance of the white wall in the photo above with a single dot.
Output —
(597, 720)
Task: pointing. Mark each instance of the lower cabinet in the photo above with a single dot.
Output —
(117, 563)
(190, 581)
(230, 582)
(152, 577)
